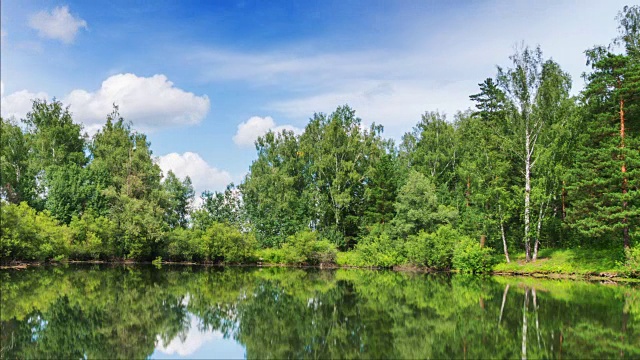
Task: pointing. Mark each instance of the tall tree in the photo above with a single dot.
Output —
(528, 85)
(606, 178)
(339, 155)
(54, 140)
(16, 184)
(273, 191)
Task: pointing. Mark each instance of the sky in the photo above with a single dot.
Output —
(204, 79)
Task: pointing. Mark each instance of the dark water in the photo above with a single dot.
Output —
(197, 312)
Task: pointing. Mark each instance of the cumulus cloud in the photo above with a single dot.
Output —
(249, 131)
(18, 104)
(150, 102)
(203, 176)
(58, 24)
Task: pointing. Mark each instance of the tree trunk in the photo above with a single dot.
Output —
(625, 230)
(504, 237)
(535, 309)
(527, 197)
(524, 324)
(504, 300)
(564, 205)
(537, 243)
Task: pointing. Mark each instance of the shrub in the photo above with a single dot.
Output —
(28, 235)
(224, 243)
(433, 250)
(302, 248)
(183, 245)
(632, 263)
(378, 249)
(91, 237)
(469, 257)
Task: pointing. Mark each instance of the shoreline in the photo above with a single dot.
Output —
(602, 277)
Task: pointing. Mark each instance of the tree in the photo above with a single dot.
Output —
(434, 151)
(418, 208)
(221, 207)
(54, 140)
(178, 202)
(16, 183)
(605, 191)
(273, 193)
(339, 154)
(533, 88)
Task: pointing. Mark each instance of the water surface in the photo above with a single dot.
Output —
(197, 312)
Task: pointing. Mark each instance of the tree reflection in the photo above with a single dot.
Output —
(128, 312)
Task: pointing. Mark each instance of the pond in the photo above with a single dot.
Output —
(102, 311)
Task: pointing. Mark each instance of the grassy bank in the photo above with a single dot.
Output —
(578, 262)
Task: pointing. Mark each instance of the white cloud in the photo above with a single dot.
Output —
(3, 33)
(18, 104)
(58, 24)
(249, 131)
(187, 344)
(203, 176)
(150, 102)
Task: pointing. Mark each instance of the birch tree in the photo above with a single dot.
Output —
(534, 88)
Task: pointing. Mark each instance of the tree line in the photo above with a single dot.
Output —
(530, 166)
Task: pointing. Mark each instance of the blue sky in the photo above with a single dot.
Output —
(204, 78)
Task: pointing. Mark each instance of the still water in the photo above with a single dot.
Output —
(198, 312)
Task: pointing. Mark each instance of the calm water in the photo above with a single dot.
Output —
(197, 312)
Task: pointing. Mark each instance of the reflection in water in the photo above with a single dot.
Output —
(197, 312)
(197, 343)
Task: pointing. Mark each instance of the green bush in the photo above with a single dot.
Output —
(302, 248)
(28, 235)
(469, 257)
(226, 244)
(434, 250)
(91, 237)
(632, 263)
(183, 245)
(378, 249)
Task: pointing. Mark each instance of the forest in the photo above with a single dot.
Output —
(533, 167)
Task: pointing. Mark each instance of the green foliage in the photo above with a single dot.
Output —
(16, 182)
(223, 207)
(178, 200)
(469, 257)
(28, 235)
(434, 250)
(418, 208)
(303, 248)
(183, 245)
(378, 249)
(92, 237)
(632, 262)
(223, 243)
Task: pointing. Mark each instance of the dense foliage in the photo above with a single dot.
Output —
(530, 167)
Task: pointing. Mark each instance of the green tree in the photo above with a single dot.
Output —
(16, 183)
(605, 187)
(534, 90)
(273, 192)
(222, 207)
(418, 208)
(178, 202)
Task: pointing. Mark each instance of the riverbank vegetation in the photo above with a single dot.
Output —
(531, 167)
